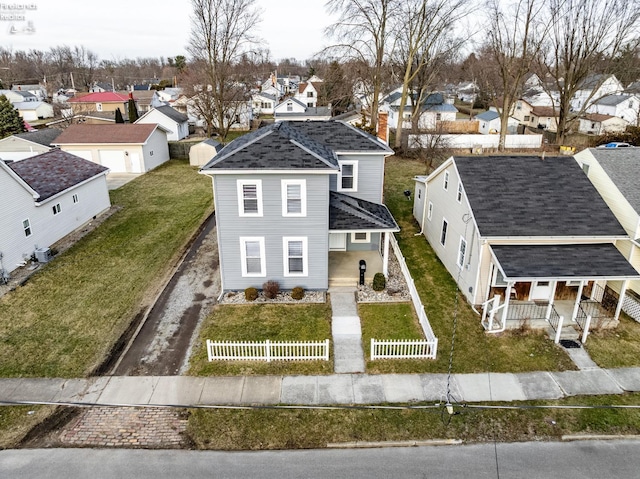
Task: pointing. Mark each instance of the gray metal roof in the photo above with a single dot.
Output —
(585, 261)
(612, 100)
(43, 137)
(349, 213)
(531, 196)
(55, 171)
(622, 165)
(292, 145)
(172, 113)
(488, 115)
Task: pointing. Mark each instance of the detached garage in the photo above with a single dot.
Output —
(122, 148)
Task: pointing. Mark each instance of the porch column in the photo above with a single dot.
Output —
(507, 296)
(623, 290)
(385, 255)
(552, 295)
(578, 297)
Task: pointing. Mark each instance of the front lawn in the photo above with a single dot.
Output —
(616, 348)
(64, 321)
(258, 322)
(474, 350)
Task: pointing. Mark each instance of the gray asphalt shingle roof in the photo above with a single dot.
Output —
(349, 213)
(531, 196)
(55, 171)
(613, 100)
(586, 261)
(172, 113)
(43, 137)
(622, 165)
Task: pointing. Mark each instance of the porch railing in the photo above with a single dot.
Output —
(492, 316)
(555, 321)
(527, 310)
(583, 320)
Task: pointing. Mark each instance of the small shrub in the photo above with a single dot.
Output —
(251, 294)
(379, 282)
(297, 293)
(271, 289)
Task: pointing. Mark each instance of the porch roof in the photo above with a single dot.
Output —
(562, 262)
(347, 213)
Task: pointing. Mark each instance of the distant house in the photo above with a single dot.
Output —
(263, 103)
(34, 110)
(545, 117)
(599, 124)
(175, 123)
(104, 101)
(433, 109)
(37, 90)
(527, 239)
(25, 145)
(89, 118)
(593, 88)
(308, 93)
(44, 198)
(101, 87)
(626, 107)
(204, 152)
(293, 109)
(488, 122)
(17, 96)
(123, 148)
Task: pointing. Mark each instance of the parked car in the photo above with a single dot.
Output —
(616, 144)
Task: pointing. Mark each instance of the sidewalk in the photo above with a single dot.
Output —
(318, 390)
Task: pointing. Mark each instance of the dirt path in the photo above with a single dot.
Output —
(163, 344)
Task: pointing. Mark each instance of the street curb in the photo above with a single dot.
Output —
(380, 444)
(598, 437)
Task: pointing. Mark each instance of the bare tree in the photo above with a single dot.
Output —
(588, 35)
(517, 32)
(221, 32)
(365, 32)
(424, 42)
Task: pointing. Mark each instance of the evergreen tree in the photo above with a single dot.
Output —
(119, 118)
(10, 121)
(133, 111)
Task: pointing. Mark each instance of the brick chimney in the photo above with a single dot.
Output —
(383, 126)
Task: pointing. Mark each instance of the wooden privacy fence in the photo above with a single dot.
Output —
(415, 298)
(403, 349)
(268, 350)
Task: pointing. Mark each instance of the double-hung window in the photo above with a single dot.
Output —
(56, 208)
(445, 183)
(253, 256)
(294, 197)
(443, 232)
(250, 197)
(26, 226)
(295, 256)
(459, 196)
(430, 211)
(462, 251)
(348, 177)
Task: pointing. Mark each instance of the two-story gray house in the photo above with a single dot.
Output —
(300, 203)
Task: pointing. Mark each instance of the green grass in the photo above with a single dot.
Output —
(66, 318)
(475, 351)
(390, 321)
(616, 348)
(17, 421)
(303, 429)
(276, 322)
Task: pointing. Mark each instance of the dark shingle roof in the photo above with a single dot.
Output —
(292, 145)
(531, 196)
(117, 133)
(563, 261)
(43, 137)
(172, 113)
(622, 165)
(613, 100)
(349, 213)
(55, 171)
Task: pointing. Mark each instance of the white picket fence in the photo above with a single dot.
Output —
(268, 350)
(415, 298)
(403, 349)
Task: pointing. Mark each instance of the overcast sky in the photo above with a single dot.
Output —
(119, 29)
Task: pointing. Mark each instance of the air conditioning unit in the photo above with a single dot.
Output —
(43, 255)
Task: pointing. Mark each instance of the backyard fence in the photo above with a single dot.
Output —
(403, 349)
(415, 297)
(268, 350)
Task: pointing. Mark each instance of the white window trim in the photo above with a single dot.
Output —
(443, 243)
(240, 184)
(285, 256)
(459, 194)
(462, 257)
(75, 198)
(366, 240)
(24, 228)
(57, 209)
(243, 254)
(430, 211)
(355, 175)
(303, 197)
(445, 183)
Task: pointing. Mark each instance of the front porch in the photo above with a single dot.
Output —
(344, 267)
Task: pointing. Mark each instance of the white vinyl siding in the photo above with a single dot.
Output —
(253, 256)
(249, 197)
(348, 177)
(295, 254)
(294, 197)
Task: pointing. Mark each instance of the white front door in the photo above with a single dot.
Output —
(136, 167)
(540, 290)
(337, 241)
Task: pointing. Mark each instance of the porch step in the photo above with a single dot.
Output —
(568, 332)
(343, 282)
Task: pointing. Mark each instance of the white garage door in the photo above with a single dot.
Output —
(114, 160)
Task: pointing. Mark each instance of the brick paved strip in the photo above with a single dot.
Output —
(126, 427)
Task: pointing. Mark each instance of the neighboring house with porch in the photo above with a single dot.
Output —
(526, 239)
(626, 107)
(43, 199)
(599, 124)
(123, 148)
(25, 145)
(615, 173)
(263, 104)
(175, 123)
(301, 203)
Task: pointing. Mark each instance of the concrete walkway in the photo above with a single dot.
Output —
(318, 390)
(345, 329)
